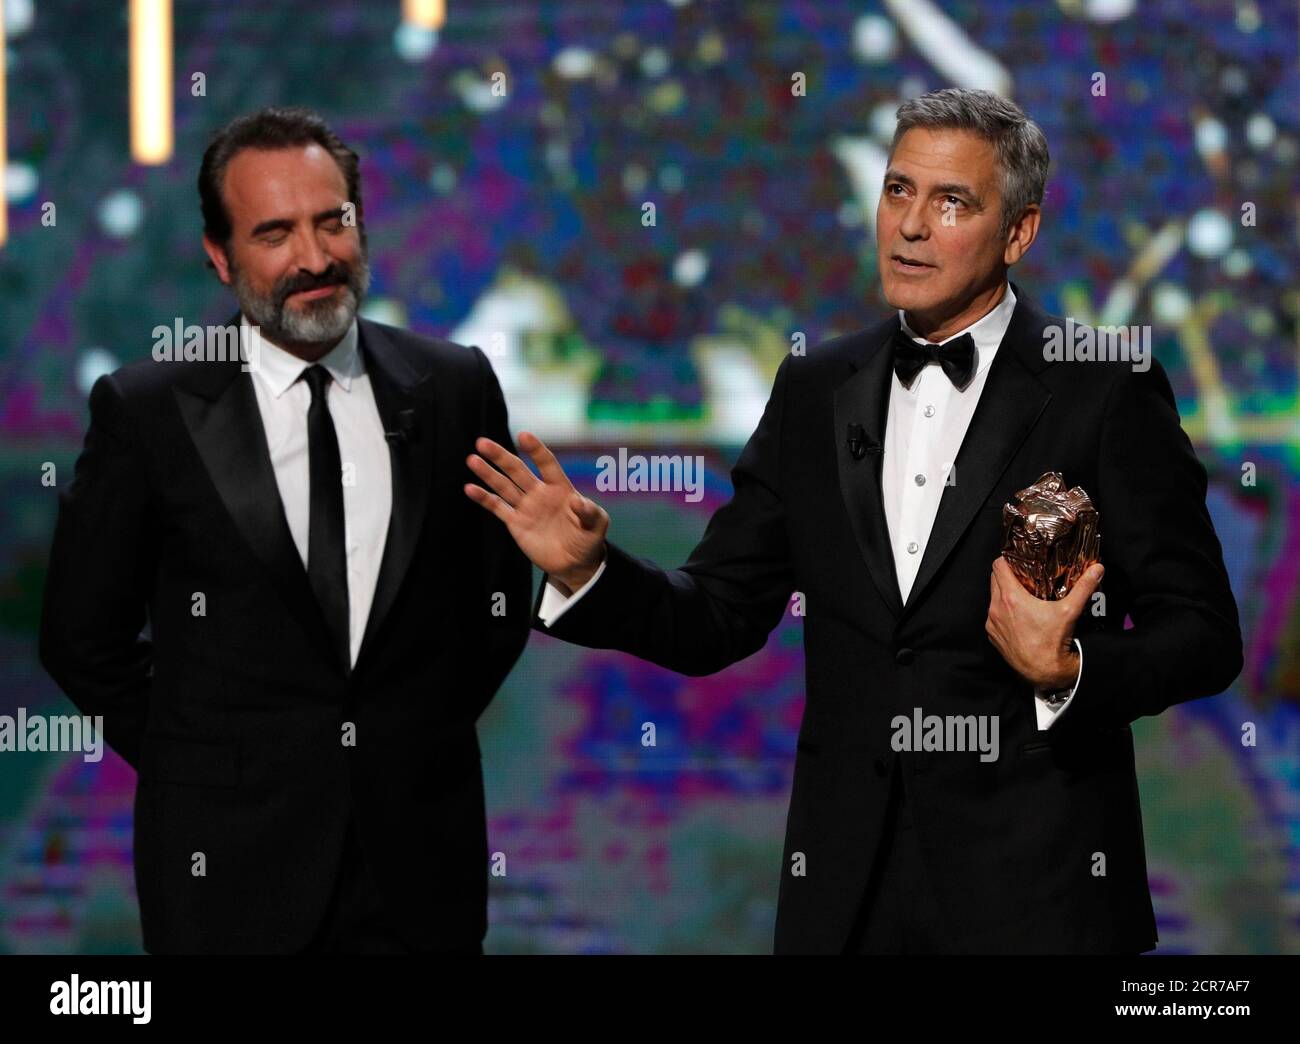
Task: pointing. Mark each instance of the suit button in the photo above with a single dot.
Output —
(882, 766)
(904, 656)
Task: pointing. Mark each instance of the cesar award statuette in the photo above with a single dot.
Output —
(1050, 536)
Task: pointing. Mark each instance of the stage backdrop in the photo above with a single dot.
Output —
(508, 159)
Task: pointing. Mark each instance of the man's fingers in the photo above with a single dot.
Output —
(502, 485)
(1084, 587)
(588, 511)
(996, 576)
(507, 462)
(544, 459)
(489, 501)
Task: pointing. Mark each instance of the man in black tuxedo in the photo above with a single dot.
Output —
(874, 486)
(328, 616)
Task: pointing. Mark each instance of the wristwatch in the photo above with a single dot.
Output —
(1055, 697)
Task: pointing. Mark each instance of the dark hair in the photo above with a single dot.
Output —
(271, 128)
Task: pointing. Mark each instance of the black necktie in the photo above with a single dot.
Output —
(327, 558)
(957, 357)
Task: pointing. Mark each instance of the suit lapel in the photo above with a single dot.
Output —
(406, 401)
(1010, 404)
(863, 400)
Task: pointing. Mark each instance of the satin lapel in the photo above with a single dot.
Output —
(219, 407)
(1012, 401)
(407, 407)
(863, 400)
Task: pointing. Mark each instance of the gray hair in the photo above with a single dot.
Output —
(1019, 142)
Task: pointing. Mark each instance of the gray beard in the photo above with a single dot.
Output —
(319, 322)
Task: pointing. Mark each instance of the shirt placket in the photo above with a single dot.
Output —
(921, 477)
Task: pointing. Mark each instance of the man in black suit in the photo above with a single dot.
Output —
(328, 616)
(874, 486)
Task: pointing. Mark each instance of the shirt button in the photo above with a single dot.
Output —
(920, 480)
(911, 548)
(929, 411)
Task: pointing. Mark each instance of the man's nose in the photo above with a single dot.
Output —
(311, 256)
(914, 224)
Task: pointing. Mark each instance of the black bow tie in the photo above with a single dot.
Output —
(957, 357)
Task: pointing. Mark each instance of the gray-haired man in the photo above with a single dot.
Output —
(874, 486)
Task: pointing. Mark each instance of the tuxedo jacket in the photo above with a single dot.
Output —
(253, 742)
(1040, 850)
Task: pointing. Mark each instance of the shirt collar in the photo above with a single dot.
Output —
(279, 369)
(987, 331)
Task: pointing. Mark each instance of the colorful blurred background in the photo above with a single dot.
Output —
(507, 152)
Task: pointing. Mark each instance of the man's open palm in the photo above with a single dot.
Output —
(560, 530)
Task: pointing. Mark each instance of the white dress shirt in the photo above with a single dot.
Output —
(367, 485)
(923, 433)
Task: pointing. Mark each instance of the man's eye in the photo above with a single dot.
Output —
(954, 199)
(334, 226)
(273, 240)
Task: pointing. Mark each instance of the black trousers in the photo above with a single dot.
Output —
(357, 921)
(899, 912)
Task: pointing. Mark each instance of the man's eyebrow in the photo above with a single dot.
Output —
(956, 188)
(277, 223)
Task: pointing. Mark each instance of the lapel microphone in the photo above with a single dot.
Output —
(857, 442)
(408, 428)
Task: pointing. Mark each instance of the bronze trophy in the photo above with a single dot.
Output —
(1050, 536)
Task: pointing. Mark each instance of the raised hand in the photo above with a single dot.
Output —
(560, 530)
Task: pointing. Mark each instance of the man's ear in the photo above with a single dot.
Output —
(217, 258)
(1022, 234)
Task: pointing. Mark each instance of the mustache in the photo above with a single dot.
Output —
(335, 275)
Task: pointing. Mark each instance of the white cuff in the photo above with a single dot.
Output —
(554, 604)
(1047, 712)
